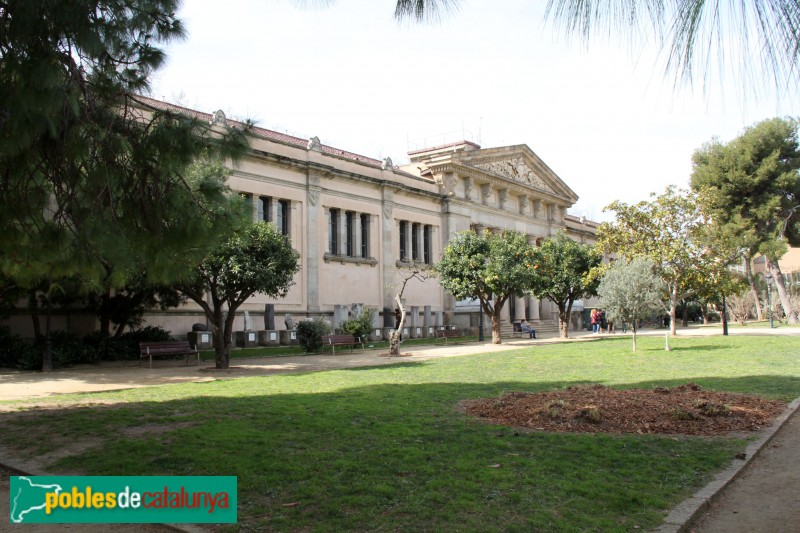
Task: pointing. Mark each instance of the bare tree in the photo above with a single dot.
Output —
(741, 306)
(414, 271)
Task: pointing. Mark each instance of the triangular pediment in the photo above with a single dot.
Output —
(521, 165)
(515, 169)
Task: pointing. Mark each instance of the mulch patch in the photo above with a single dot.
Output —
(686, 409)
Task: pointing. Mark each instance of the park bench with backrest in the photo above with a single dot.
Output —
(519, 332)
(449, 334)
(341, 340)
(167, 349)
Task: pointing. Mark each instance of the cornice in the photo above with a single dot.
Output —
(484, 177)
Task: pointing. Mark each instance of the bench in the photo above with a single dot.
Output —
(517, 332)
(449, 334)
(167, 348)
(341, 340)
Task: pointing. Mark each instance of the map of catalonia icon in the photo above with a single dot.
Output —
(28, 499)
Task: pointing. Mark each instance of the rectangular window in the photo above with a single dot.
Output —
(349, 233)
(426, 244)
(264, 208)
(365, 236)
(415, 241)
(282, 216)
(403, 233)
(333, 232)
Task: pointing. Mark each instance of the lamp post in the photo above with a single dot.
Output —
(768, 277)
(480, 325)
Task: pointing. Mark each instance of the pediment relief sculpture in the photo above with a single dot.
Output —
(516, 169)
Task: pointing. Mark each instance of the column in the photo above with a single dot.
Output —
(312, 245)
(535, 315)
(409, 238)
(505, 313)
(388, 248)
(342, 233)
(417, 237)
(356, 234)
(519, 309)
(374, 243)
(294, 224)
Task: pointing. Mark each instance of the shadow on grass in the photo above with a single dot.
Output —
(382, 456)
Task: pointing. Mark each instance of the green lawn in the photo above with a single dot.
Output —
(385, 448)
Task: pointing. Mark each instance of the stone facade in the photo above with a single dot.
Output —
(356, 221)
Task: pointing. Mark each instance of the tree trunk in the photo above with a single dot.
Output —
(219, 336)
(704, 312)
(633, 329)
(685, 317)
(563, 320)
(33, 303)
(673, 308)
(496, 326)
(394, 336)
(748, 268)
(228, 339)
(47, 354)
(783, 294)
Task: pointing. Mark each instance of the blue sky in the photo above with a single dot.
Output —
(603, 117)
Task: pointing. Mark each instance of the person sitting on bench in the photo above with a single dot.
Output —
(527, 328)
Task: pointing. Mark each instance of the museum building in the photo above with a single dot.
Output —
(356, 222)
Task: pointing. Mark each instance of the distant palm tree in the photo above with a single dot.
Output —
(762, 37)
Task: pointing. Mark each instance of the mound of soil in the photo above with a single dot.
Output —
(686, 410)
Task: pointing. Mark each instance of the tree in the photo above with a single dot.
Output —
(256, 259)
(125, 306)
(91, 173)
(689, 31)
(415, 271)
(490, 268)
(750, 186)
(741, 306)
(563, 275)
(666, 230)
(631, 291)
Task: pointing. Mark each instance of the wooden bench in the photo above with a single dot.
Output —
(449, 334)
(341, 340)
(167, 348)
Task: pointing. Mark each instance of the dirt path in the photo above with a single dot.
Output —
(765, 498)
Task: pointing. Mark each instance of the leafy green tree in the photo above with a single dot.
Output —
(563, 275)
(125, 307)
(668, 231)
(256, 259)
(691, 32)
(750, 188)
(91, 173)
(631, 291)
(490, 267)
(362, 324)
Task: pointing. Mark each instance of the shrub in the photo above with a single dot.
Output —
(360, 326)
(310, 332)
(68, 349)
(15, 352)
(126, 346)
